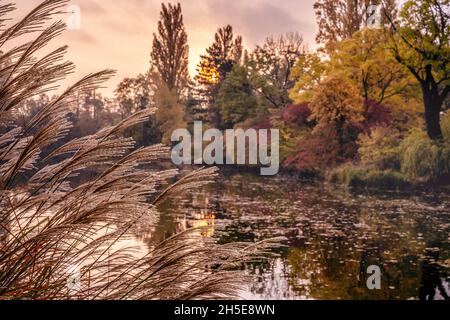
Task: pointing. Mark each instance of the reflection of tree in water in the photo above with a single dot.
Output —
(333, 236)
(184, 212)
(274, 284)
(337, 262)
(432, 281)
(336, 237)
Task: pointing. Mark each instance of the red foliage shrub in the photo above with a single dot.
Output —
(321, 150)
(376, 115)
(263, 124)
(297, 114)
(314, 153)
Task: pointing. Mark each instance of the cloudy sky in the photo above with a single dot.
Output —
(118, 34)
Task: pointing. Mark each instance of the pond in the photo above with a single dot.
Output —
(333, 236)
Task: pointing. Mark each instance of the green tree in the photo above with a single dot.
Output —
(219, 60)
(236, 100)
(170, 53)
(421, 43)
(81, 204)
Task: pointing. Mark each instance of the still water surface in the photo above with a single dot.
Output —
(333, 236)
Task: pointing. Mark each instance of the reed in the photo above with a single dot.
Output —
(50, 225)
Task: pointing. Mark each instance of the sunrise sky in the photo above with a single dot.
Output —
(118, 34)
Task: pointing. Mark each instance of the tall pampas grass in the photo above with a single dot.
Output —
(66, 240)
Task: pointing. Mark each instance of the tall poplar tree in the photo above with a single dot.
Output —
(170, 52)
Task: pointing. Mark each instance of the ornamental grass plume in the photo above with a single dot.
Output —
(52, 224)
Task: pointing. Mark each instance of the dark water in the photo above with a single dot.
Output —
(333, 237)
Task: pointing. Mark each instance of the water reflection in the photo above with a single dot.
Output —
(433, 284)
(180, 214)
(333, 237)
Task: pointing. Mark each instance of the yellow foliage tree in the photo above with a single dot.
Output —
(309, 70)
(365, 60)
(336, 105)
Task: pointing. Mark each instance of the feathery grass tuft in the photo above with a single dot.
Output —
(52, 228)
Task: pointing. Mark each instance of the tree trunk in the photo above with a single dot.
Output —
(433, 103)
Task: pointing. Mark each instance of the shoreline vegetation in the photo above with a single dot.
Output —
(368, 108)
(349, 177)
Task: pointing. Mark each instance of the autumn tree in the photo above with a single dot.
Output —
(365, 60)
(271, 64)
(170, 114)
(308, 72)
(421, 42)
(340, 19)
(336, 105)
(72, 213)
(170, 53)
